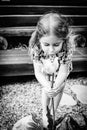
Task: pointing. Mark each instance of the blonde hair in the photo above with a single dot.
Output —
(50, 23)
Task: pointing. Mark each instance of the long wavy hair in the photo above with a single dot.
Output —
(56, 24)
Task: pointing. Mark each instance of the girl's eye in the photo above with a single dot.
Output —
(46, 44)
(56, 44)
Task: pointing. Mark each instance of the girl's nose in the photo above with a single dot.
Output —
(51, 49)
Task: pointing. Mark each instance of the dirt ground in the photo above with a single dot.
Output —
(19, 98)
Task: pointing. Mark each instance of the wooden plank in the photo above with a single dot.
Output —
(41, 9)
(16, 70)
(31, 20)
(80, 66)
(17, 31)
(40, 2)
(14, 56)
(18, 20)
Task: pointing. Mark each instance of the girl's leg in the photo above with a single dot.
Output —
(45, 103)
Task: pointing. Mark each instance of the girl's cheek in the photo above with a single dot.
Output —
(46, 49)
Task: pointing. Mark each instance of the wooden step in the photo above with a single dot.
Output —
(31, 20)
(41, 9)
(41, 2)
(17, 31)
(16, 70)
(15, 56)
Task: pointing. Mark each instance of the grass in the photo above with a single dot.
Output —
(20, 97)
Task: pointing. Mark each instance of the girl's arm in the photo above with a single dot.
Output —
(41, 77)
(61, 77)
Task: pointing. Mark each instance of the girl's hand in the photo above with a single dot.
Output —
(50, 92)
(54, 91)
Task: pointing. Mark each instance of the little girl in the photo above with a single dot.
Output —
(51, 47)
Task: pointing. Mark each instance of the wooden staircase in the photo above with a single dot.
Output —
(20, 21)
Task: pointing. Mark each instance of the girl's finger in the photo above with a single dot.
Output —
(51, 94)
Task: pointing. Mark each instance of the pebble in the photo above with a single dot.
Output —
(67, 100)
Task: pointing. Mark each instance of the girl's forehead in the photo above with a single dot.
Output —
(50, 39)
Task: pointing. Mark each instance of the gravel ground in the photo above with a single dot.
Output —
(19, 99)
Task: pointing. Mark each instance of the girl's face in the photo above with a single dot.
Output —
(51, 44)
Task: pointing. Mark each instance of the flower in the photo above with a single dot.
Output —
(50, 65)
